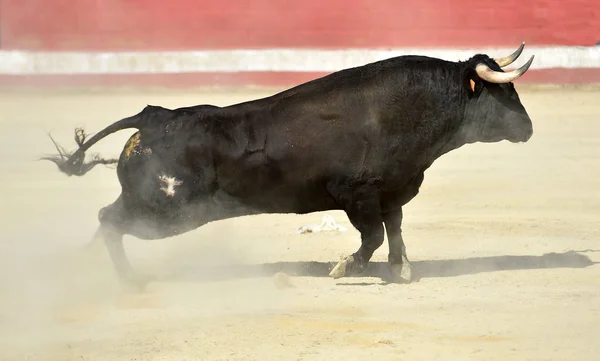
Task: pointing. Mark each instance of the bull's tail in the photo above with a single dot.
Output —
(73, 163)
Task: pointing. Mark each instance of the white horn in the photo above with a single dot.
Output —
(485, 73)
(507, 60)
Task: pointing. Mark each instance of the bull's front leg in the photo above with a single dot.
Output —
(361, 203)
(399, 265)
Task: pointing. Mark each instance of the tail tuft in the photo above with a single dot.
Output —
(80, 137)
(73, 163)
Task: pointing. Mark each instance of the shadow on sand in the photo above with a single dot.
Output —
(421, 269)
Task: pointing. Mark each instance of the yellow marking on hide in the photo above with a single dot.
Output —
(132, 147)
(132, 143)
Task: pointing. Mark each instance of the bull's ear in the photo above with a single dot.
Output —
(472, 83)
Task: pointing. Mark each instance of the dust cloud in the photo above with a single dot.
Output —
(55, 294)
(44, 288)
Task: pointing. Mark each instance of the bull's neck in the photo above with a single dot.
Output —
(451, 135)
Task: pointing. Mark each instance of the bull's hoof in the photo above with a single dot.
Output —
(341, 269)
(401, 273)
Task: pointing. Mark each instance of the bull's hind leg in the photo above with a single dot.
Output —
(399, 265)
(113, 240)
(361, 203)
(110, 232)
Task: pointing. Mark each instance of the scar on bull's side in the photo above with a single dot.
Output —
(170, 184)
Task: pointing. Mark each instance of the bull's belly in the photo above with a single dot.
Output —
(267, 197)
(296, 185)
(261, 190)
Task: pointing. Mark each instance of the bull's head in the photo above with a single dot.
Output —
(494, 111)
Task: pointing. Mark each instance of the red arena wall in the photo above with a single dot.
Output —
(186, 25)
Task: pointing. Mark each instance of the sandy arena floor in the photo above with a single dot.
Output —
(503, 237)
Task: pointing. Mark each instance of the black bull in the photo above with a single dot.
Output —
(358, 140)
